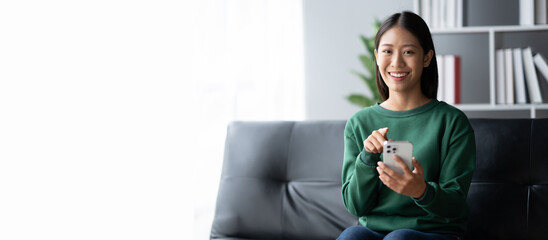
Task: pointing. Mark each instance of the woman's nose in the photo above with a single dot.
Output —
(397, 61)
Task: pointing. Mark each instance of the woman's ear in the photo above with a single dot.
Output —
(428, 57)
(375, 52)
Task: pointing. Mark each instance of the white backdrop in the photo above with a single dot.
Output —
(248, 66)
(113, 113)
(92, 116)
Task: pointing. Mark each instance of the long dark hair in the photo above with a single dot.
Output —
(414, 24)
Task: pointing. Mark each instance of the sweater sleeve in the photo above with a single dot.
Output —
(447, 197)
(359, 176)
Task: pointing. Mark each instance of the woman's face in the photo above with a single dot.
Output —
(401, 59)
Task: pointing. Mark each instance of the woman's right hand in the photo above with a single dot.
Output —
(374, 143)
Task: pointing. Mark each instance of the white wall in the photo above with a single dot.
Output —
(332, 46)
(93, 120)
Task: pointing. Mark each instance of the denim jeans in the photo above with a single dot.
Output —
(364, 233)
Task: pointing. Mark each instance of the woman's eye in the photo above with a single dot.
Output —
(387, 51)
(408, 52)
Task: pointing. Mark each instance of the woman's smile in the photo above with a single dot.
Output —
(398, 76)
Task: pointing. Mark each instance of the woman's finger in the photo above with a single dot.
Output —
(402, 165)
(418, 167)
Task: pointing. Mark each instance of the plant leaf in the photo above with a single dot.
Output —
(367, 80)
(376, 25)
(364, 40)
(370, 42)
(371, 83)
(364, 78)
(370, 45)
(368, 63)
(360, 100)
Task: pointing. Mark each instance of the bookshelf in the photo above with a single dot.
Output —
(477, 45)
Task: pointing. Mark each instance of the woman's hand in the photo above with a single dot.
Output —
(411, 183)
(374, 143)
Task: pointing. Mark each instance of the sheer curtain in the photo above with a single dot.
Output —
(247, 65)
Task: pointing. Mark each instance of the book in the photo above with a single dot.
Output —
(436, 14)
(452, 79)
(441, 77)
(531, 76)
(443, 13)
(509, 76)
(460, 13)
(426, 11)
(542, 69)
(457, 80)
(526, 12)
(519, 78)
(499, 77)
(540, 12)
(451, 13)
(541, 64)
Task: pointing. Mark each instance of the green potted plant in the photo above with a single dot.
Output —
(368, 61)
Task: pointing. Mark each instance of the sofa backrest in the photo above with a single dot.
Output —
(282, 180)
(508, 197)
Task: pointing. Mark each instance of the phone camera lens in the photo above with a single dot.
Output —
(388, 151)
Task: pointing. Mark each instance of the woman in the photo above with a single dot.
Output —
(428, 202)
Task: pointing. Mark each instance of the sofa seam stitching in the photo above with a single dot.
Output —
(285, 186)
(529, 176)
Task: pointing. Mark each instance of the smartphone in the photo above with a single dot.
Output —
(403, 149)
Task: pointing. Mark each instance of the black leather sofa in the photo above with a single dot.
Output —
(282, 180)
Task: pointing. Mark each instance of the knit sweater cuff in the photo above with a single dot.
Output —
(370, 159)
(427, 197)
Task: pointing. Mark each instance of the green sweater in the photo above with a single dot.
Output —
(443, 143)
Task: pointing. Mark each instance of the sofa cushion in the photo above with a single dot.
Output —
(508, 197)
(282, 180)
(538, 196)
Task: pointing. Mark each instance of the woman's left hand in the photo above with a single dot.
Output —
(411, 183)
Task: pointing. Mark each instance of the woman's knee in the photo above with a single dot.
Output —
(351, 233)
(359, 232)
(403, 234)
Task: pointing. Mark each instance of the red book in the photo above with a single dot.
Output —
(457, 80)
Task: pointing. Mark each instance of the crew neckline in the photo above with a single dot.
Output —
(406, 113)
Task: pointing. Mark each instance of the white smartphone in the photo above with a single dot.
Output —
(402, 149)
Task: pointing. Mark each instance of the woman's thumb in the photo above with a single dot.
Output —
(383, 131)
